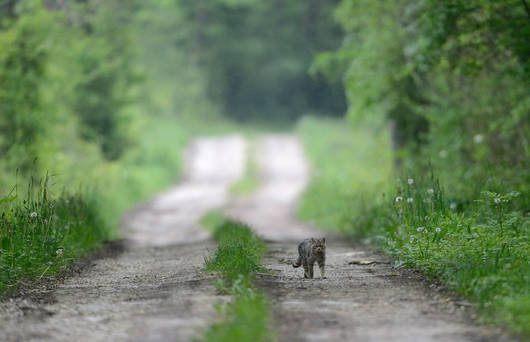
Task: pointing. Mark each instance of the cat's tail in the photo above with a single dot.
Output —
(298, 262)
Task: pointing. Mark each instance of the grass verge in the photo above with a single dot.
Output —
(40, 234)
(237, 259)
(477, 246)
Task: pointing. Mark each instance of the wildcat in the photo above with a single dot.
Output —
(311, 250)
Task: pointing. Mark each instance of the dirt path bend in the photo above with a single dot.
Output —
(356, 302)
(155, 289)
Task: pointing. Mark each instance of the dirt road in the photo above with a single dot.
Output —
(356, 302)
(156, 290)
(153, 290)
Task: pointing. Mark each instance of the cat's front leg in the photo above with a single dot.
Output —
(311, 265)
(306, 269)
(322, 265)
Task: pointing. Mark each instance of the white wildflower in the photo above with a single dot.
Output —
(33, 214)
(497, 200)
(59, 252)
(430, 191)
(399, 199)
(410, 181)
(438, 229)
(452, 205)
(410, 200)
(420, 229)
(477, 139)
(443, 154)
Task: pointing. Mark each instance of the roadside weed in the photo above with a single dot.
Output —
(41, 234)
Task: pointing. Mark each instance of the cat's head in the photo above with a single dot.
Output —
(319, 245)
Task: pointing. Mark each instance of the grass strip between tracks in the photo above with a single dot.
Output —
(237, 259)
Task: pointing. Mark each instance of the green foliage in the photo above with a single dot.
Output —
(474, 34)
(246, 318)
(481, 250)
(450, 76)
(63, 62)
(254, 55)
(345, 162)
(24, 53)
(474, 241)
(42, 233)
(237, 258)
(72, 72)
(238, 251)
(102, 58)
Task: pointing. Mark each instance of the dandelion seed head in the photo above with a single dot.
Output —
(438, 229)
(399, 199)
(452, 205)
(33, 214)
(426, 218)
(59, 252)
(497, 200)
(420, 229)
(477, 139)
(410, 181)
(410, 200)
(430, 191)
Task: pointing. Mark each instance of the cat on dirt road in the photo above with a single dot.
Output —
(311, 251)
